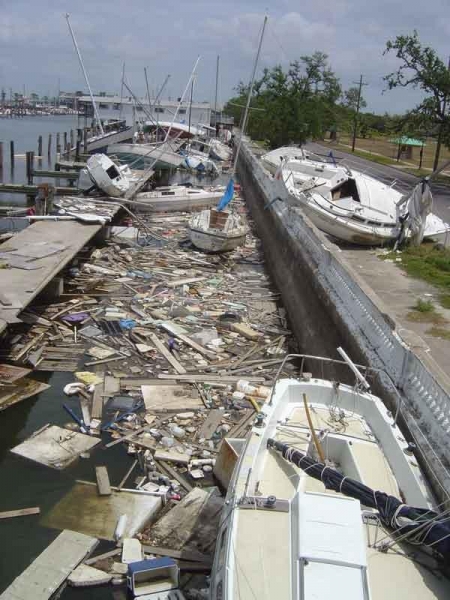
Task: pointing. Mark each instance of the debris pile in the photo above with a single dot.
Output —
(172, 351)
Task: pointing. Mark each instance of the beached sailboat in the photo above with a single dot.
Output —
(352, 206)
(219, 151)
(161, 156)
(217, 231)
(328, 501)
(220, 230)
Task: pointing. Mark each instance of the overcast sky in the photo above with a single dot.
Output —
(166, 37)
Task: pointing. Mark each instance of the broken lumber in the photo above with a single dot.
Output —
(22, 512)
(104, 487)
(167, 355)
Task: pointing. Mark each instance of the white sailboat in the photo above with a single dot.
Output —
(112, 179)
(177, 198)
(328, 501)
(220, 230)
(349, 205)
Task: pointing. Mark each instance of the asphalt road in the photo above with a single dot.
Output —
(386, 174)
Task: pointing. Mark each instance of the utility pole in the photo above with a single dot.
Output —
(360, 83)
(441, 129)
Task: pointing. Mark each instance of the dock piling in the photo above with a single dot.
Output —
(85, 140)
(77, 151)
(49, 147)
(40, 146)
(58, 144)
(11, 154)
(29, 156)
(65, 142)
(1, 157)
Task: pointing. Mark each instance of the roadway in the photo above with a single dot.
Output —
(387, 174)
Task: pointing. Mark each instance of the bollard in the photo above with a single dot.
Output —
(29, 167)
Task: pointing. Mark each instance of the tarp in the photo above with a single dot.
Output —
(227, 195)
(419, 206)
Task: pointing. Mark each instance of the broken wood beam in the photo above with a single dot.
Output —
(22, 512)
(103, 484)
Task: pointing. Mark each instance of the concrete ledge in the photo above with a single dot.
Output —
(329, 305)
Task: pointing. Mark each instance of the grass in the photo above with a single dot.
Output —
(426, 317)
(439, 332)
(382, 160)
(427, 262)
(424, 306)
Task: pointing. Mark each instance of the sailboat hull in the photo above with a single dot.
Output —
(215, 241)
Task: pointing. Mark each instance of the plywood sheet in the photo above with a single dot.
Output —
(170, 397)
(55, 447)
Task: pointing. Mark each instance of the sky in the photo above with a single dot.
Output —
(167, 36)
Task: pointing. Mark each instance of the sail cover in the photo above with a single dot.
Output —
(227, 196)
(419, 525)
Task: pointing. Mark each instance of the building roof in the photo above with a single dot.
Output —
(407, 141)
(143, 101)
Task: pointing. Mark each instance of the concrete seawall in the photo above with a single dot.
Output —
(329, 306)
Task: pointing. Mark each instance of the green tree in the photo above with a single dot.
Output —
(290, 106)
(422, 68)
(350, 99)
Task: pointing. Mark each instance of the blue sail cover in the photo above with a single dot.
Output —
(227, 195)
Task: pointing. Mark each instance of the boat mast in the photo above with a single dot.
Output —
(250, 91)
(190, 106)
(215, 100)
(97, 116)
(182, 98)
(121, 91)
(146, 83)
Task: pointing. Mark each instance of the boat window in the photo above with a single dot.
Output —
(158, 109)
(116, 106)
(168, 193)
(103, 105)
(112, 172)
(346, 189)
(182, 111)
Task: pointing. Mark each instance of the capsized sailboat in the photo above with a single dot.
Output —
(328, 501)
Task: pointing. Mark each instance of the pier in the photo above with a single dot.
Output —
(57, 242)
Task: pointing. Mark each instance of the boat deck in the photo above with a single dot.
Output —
(263, 542)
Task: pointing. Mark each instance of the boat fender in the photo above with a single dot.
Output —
(73, 388)
(120, 527)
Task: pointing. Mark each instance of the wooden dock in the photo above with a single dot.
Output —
(19, 285)
(51, 568)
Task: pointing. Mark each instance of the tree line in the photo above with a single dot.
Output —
(306, 100)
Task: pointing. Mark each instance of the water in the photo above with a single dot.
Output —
(24, 132)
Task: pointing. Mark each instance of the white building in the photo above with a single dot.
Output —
(113, 107)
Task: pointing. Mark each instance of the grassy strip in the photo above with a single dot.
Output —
(382, 160)
(430, 263)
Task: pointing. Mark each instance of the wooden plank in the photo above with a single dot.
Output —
(97, 402)
(127, 474)
(205, 377)
(8, 514)
(51, 568)
(173, 330)
(189, 555)
(172, 456)
(104, 487)
(173, 284)
(128, 436)
(175, 475)
(210, 424)
(167, 355)
(94, 559)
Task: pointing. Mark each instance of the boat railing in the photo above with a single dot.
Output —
(361, 372)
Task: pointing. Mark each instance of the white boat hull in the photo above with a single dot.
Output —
(215, 241)
(186, 200)
(165, 158)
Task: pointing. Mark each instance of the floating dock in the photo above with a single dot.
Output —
(51, 568)
(19, 285)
